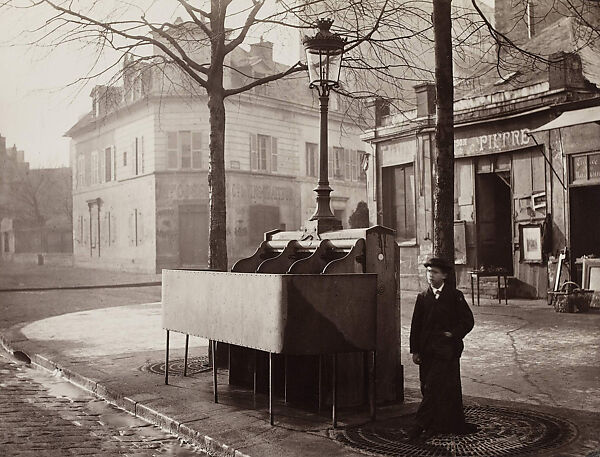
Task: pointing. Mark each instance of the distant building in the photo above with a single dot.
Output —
(35, 207)
(519, 197)
(12, 164)
(140, 162)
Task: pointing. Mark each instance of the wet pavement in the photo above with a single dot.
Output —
(44, 415)
(531, 377)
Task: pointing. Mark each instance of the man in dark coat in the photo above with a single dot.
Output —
(440, 321)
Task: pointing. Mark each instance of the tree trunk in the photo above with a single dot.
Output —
(217, 246)
(217, 232)
(443, 192)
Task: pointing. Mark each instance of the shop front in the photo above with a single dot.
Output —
(576, 134)
(501, 200)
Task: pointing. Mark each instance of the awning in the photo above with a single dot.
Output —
(570, 118)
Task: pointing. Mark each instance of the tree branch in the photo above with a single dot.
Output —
(298, 66)
(258, 4)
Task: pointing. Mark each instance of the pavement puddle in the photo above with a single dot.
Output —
(83, 409)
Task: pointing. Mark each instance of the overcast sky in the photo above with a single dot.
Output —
(38, 104)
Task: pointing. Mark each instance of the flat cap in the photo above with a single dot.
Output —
(438, 262)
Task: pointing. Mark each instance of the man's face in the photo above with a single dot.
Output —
(435, 276)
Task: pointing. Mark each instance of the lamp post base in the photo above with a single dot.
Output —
(321, 225)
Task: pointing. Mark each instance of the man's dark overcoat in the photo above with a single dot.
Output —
(441, 409)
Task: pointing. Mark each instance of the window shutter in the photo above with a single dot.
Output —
(253, 152)
(348, 164)
(142, 154)
(113, 228)
(114, 160)
(330, 160)
(132, 228)
(134, 157)
(354, 158)
(140, 228)
(274, 157)
(196, 150)
(100, 167)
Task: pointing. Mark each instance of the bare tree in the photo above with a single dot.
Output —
(29, 191)
(443, 191)
(385, 39)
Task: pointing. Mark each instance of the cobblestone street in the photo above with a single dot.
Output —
(42, 415)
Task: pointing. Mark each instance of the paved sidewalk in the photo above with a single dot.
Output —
(24, 276)
(522, 361)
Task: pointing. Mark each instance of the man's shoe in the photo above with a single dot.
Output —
(414, 433)
(468, 429)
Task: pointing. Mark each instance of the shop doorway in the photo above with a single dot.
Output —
(193, 236)
(494, 220)
(585, 221)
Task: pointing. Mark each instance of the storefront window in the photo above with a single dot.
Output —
(399, 201)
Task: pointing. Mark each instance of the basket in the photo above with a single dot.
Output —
(571, 298)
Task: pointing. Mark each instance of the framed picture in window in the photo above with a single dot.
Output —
(530, 243)
(591, 274)
(460, 242)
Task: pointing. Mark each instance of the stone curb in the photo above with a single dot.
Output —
(195, 437)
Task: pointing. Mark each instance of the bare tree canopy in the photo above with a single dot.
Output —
(389, 49)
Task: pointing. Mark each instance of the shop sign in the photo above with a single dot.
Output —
(260, 192)
(492, 143)
(584, 168)
(398, 152)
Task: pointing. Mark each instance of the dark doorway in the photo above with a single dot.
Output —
(494, 221)
(193, 235)
(585, 221)
(262, 218)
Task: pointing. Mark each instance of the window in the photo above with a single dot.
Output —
(124, 158)
(185, 144)
(108, 164)
(172, 161)
(348, 164)
(263, 153)
(361, 157)
(312, 159)
(338, 163)
(196, 150)
(355, 157)
(399, 201)
(81, 170)
(184, 149)
(95, 168)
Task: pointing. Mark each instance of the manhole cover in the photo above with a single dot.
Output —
(194, 365)
(502, 432)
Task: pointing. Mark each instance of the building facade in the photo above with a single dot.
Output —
(140, 163)
(35, 215)
(519, 194)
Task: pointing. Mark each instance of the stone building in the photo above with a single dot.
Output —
(523, 191)
(35, 216)
(140, 162)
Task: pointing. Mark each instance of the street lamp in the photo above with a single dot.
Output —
(324, 60)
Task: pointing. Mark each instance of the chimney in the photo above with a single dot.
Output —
(262, 49)
(565, 71)
(425, 99)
